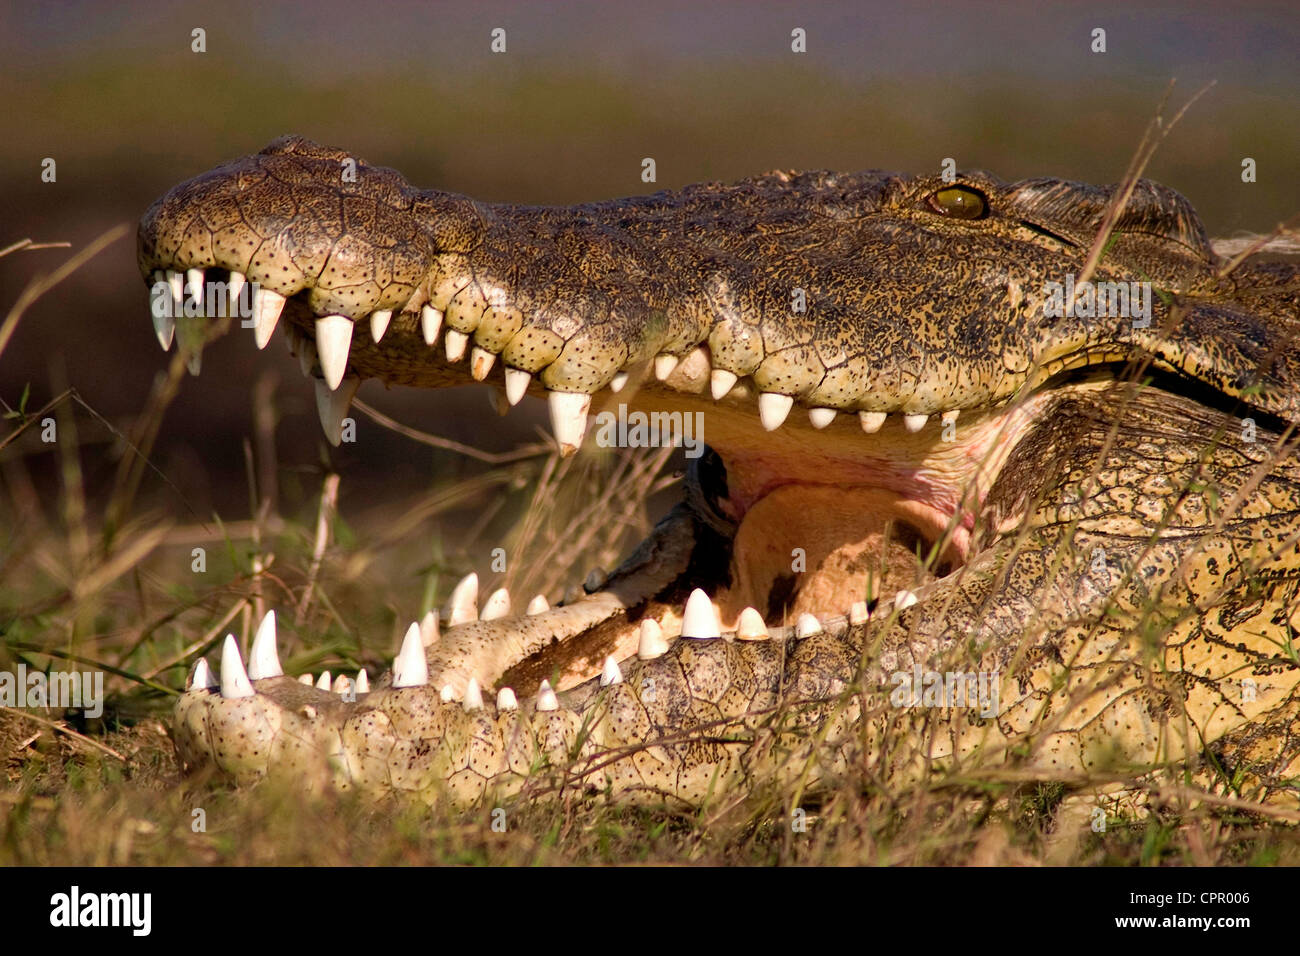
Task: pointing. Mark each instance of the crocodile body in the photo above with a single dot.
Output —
(945, 518)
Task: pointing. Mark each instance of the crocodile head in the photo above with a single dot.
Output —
(900, 386)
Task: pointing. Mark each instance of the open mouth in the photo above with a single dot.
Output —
(822, 512)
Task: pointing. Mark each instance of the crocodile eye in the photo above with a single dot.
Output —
(959, 203)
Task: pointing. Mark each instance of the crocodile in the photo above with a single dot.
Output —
(1036, 512)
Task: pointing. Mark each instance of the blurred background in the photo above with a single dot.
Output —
(114, 93)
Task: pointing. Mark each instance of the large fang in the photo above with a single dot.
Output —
(651, 643)
(333, 341)
(333, 406)
(379, 320)
(858, 613)
(537, 605)
(721, 382)
(456, 343)
(267, 306)
(464, 600)
(263, 661)
(700, 619)
(610, 674)
(411, 669)
(546, 699)
(160, 308)
(517, 381)
(363, 682)
(430, 323)
(506, 699)
(323, 682)
(496, 606)
(904, 599)
(569, 419)
(617, 382)
(914, 423)
(773, 408)
(234, 682)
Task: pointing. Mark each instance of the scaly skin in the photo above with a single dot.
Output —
(1125, 558)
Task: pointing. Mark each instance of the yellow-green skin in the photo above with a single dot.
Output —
(1135, 576)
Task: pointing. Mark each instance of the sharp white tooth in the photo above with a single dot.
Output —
(455, 343)
(267, 306)
(201, 677)
(700, 619)
(904, 599)
(305, 679)
(651, 643)
(721, 382)
(411, 669)
(751, 627)
(871, 421)
(496, 606)
(194, 287)
(464, 601)
(176, 282)
(950, 415)
(333, 405)
(307, 357)
(517, 382)
(618, 381)
(160, 310)
(821, 417)
(568, 419)
(664, 365)
(773, 408)
(480, 363)
(342, 685)
(506, 699)
(538, 605)
(473, 695)
(914, 423)
(858, 613)
(429, 629)
(323, 682)
(234, 291)
(363, 682)
(379, 320)
(430, 323)
(263, 661)
(234, 682)
(610, 674)
(546, 699)
(447, 694)
(333, 342)
(807, 625)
